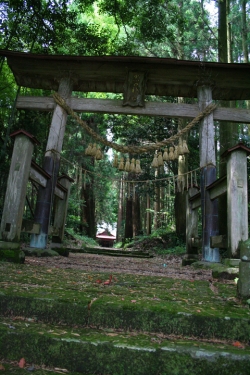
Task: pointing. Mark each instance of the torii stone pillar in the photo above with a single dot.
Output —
(51, 166)
(209, 209)
(14, 202)
(237, 197)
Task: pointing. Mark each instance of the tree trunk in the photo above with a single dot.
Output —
(120, 211)
(136, 214)
(222, 31)
(148, 217)
(228, 131)
(244, 31)
(88, 224)
(129, 218)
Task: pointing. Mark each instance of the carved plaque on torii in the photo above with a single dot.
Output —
(134, 89)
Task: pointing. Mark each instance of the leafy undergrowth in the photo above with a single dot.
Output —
(74, 240)
(159, 243)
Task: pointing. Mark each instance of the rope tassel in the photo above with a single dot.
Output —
(127, 165)
(138, 167)
(155, 162)
(132, 165)
(165, 155)
(121, 165)
(160, 159)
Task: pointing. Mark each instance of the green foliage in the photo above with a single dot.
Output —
(83, 240)
(160, 242)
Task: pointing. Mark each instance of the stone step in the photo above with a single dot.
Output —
(12, 368)
(105, 352)
(151, 304)
(113, 252)
(126, 315)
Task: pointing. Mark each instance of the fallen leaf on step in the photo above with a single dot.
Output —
(21, 363)
(61, 369)
(2, 367)
(112, 334)
(238, 344)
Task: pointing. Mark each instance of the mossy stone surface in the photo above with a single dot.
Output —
(130, 302)
(93, 351)
(219, 270)
(188, 262)
(63, 251)
(14, 369)
(245, 250)
(10, 255)
(40, 252)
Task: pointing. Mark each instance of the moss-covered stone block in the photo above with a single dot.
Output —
(188, 262)
(245, 250)
(219, 271)
(227, 273)
(10, 255)
(63, 251)
(244, 280)
(33, 252)
(231, 262)
(93, 351)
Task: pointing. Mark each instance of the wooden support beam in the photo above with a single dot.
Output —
(218, 241)
(217, 188)
(29, 226)
(115, 106)
(60, 209)
(38, 174)
(60, 193)
(195, 201)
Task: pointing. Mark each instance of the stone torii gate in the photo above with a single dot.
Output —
(134, 77)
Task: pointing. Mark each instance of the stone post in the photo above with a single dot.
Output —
(244, 270)
(237, 197)
(14, 202)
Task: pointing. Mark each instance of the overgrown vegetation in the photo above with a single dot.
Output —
(160, 242)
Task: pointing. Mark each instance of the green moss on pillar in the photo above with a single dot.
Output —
(12, 255)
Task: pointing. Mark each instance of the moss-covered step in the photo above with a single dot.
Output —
(13, 368)
(92, 351)
(15, 256)
(159, 304)
(125, 316)
(219, 270)
(113, 252)
(29, 251)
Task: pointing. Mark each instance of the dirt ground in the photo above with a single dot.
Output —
(168, 265)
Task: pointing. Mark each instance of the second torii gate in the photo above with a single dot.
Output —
(135, 77)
